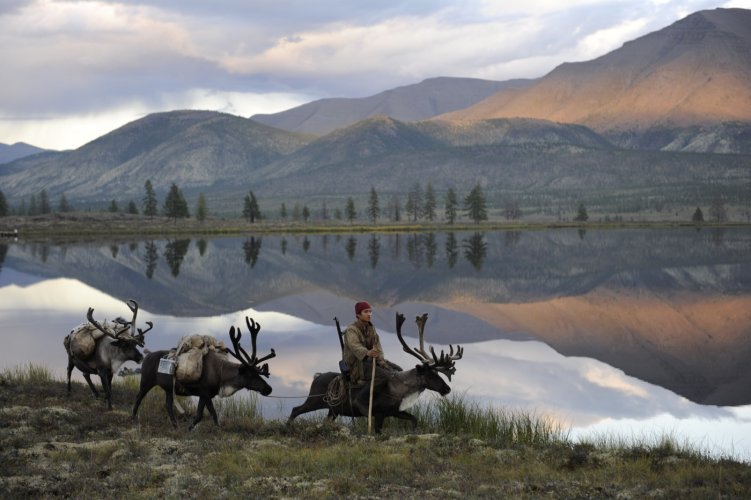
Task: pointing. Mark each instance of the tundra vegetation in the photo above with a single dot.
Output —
(55, 446)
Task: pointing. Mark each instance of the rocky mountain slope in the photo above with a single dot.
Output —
(696, 72)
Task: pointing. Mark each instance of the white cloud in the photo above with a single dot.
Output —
(605, 40)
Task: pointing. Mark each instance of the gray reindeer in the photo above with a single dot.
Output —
(118, 344)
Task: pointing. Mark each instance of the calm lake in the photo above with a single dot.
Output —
(625, 333)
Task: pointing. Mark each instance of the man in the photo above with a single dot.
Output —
(361, 348)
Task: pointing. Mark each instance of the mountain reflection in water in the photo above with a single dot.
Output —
(596, 327)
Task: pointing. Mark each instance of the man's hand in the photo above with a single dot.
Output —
(373, 353)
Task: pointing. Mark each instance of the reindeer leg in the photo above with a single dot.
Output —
(142, 391)
(87, 376)
(212, 412)
(199, 412)
(408, 416)
(169, 401)
(105, 377)
(70, 370)
(379, 423)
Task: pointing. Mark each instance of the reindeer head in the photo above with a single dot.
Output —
(443, 363)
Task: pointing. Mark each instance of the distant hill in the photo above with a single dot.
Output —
(693, 73)
(408, 103)
(16, 151)
(194, 149)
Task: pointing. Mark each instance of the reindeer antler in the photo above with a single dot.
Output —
(443, 363)
(241, 355)
(122, 333)
(133, 306)
(115, 335)
(142, 333)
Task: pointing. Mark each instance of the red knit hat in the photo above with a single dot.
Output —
(360, 307)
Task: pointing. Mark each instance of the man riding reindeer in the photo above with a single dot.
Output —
(361, 349)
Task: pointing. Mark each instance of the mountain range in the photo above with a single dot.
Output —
(665, 115)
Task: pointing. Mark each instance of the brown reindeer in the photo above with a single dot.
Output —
(401, 392)
(118, 345)
(219, 376)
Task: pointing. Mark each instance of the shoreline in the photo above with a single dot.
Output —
(95, 225)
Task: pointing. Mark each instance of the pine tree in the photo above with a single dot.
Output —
(414, 202)
(63, 206)
(175, 205)
(251, 211)
(475, 205)
(149, 200)
(428, 209)
(201, 208)
(451, 206)
(350, 211)
(698, 215)
(132, 208)
(373, 210)
(113, 207)
(283, 211)
(581, 213)
(44, 202)
(305, 213)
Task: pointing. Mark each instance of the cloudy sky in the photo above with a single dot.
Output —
(74, 70)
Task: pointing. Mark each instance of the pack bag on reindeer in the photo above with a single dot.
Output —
(101, 348)
(200, 367)
(399, 391)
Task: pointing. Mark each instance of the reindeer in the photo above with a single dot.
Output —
(401, 392)
(110, 351)
(219, 376)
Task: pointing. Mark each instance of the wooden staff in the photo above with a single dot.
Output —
(370, 404)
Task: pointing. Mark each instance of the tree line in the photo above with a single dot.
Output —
(419, 204)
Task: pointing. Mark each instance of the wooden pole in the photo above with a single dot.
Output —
(370, 403)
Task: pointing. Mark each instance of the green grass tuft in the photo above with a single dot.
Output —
(28, 374)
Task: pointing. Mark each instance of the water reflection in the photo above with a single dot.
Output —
(624, 325)
(475, 250)
(174, 253)
(582, 393)
(252, 249)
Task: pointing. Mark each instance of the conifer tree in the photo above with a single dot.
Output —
(581, 213)
(451, 206)
(149, 203)
(475, 205)
(373, 210)
(201, 208)
(698, 215)
(428, 208)
(251, 211)
(350, 211)
(175, 206)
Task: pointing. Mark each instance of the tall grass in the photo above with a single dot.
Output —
(28, 374)
(458, 416)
